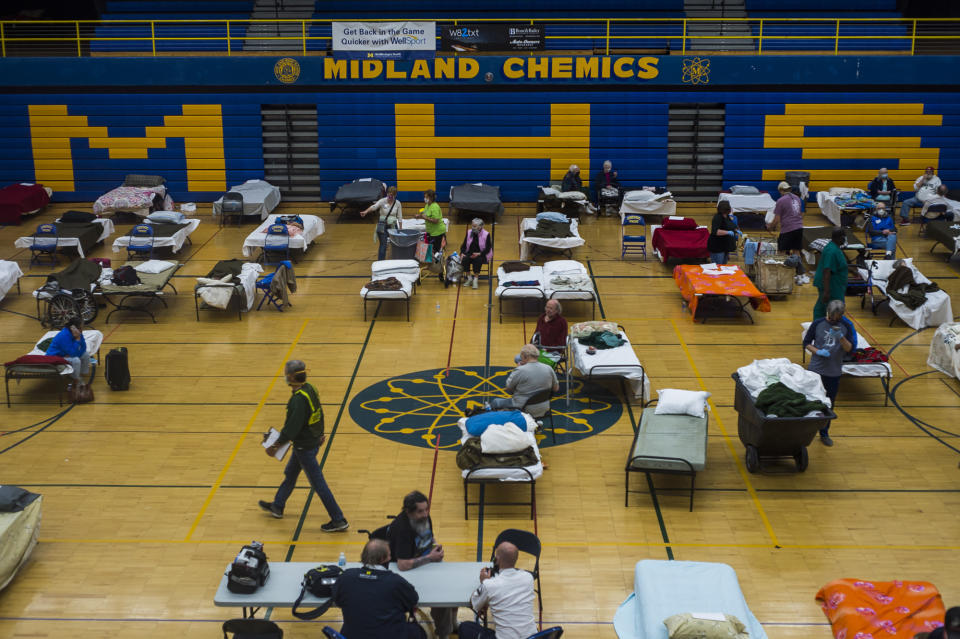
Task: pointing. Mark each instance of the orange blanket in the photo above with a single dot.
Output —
(693, 282)
(881, 609)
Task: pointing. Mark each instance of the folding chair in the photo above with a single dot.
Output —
(252, 629)
(633, 236)
(529, 543)
(232, 205)
(550, 633)
(560, 364)
(277, 242)
(264, 284)
(539, 398)
(141, 242)
(44, 243)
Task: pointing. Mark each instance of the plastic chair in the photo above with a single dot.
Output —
(331, 633)
(264, 284)
(277, 242)
(141, 242)
(633, 236)
(45, 240)
(232, 205)
(539, 398)
(550, 633)
(252, 629)
(529, 543)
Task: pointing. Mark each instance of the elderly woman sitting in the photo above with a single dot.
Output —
(572, 180)
(71, 346)
(476, 250)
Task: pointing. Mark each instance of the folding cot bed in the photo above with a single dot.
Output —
(840, 201)
(900, 609)
(81, 236)
(355, 196)
(139, 195)
(18, 200)
(679, 238)
(756, 205)
(10, 274)
(565, 280)
(946, 233)
(154, 277)
(645, 202)
(663, 589)
(476, 199)
(620, 361)
(714, 290)
(313, 228)
(815, 238)
(934, 311)
(165, 234)
(881, 370)
(68, 293)
(20, 513)
(33, 364)
(569, 203)
(259, 198)
(944, 353)
(405, 276)
(483, 475)
(227, 280)
(529, 244)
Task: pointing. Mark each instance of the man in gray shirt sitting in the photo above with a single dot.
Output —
(527, 379)
(827, 340)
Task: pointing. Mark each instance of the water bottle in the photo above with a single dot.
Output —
(342, 562)
(438, 306)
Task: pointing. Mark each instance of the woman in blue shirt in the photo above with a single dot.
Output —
(882, 231)
(71, 346)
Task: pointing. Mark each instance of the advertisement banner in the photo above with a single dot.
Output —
(491, 37)
(384, 40)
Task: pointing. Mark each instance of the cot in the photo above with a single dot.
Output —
(569, 203)
(946, 233)
(711, 290)
(935, 310)
(68, 293)
(482, 476)
(406, 272)
(647, 203)
(520, 285)
(164, 235)
(313, 228)
(834, 211)
(670, 444)
(355, 196)
(19, 533)
(679, 238)
(18, 200)
(139, 195)
(620, 361)
(476, 199)
(228, 279)
(757, 205)
(154, 277)
(10, 274)
(81, 236)
(944, 355)
(259, 198)
(881, 370)
(816, 237)
(666, 588)
(530, 245)
(895, 609)
(564, 280)
(19, 370)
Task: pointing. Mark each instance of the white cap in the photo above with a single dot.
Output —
(784, 186)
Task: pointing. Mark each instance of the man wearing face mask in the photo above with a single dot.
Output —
(881, 188)
(925, 188)
(303, 427)
(882, 231)
(827, 340)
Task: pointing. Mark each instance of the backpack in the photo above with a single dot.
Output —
(319, 583)
(117, 369)
(125, 276)
(249, 569)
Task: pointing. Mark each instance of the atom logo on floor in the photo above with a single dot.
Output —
(422, 408)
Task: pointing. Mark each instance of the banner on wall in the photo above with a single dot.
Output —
(384, 40)
(491, 37)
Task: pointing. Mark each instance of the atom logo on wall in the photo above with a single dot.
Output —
(422, 408)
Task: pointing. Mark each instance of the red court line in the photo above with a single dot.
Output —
(436, 444)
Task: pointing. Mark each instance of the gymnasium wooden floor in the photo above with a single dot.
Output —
(149, 493)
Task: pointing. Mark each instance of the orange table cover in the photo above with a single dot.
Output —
(693, 282)
(860, 609)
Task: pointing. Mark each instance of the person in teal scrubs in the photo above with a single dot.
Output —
(831, 276)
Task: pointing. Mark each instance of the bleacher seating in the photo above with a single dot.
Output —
(186, 10)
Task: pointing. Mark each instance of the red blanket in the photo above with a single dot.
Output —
(681, 245)
(34, 360)
(881, 609)
(17, 199)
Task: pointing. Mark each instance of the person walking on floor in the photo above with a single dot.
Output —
(390, 214)
(304, 428)
(827, 340)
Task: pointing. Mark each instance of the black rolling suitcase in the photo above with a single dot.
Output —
(117, 369)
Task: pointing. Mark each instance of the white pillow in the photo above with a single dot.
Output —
(639, 196)
(881, 269)
(740, 189)
(173, 217)
(573, 195)
(681, 402)
(153, 266)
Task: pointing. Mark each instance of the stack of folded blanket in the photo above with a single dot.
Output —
(552, 226)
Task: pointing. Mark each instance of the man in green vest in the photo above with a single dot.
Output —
(304, 428)
(831, 276)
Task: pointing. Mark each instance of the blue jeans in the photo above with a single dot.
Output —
(382, 250)
(306, 459)
(719, 258)
(831, 385)
(80, 365)
(905, 207)
(886, 242)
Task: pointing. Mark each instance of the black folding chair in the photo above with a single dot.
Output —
(540, 398)
(525, 542)
(252, 629)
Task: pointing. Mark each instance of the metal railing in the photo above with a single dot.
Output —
(663, 35)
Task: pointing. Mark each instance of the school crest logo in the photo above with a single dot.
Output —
(287, 70)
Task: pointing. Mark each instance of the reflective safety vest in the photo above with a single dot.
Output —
(316, 412)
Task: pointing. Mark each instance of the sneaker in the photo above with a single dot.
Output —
(473, 284)
(271, 508)
(888, 256)
(335, 526)
(825, 440)
(904, 222)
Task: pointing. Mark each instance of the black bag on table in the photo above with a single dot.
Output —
(319, 583)
(117, 369)
(249, 569)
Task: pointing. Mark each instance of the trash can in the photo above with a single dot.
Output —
(403, 243)
(795, 179)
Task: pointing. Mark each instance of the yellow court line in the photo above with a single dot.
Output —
(726, 438)
(243, 436)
